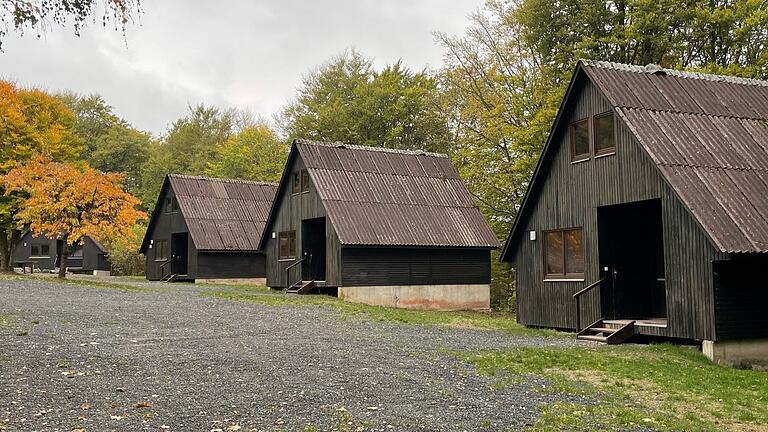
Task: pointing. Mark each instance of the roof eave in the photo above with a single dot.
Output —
(536, 172)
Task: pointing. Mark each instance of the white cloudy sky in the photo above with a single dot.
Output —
(249, 54)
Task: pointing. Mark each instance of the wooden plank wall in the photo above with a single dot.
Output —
(409, 266)
(569, 196)
(291, 211)
(226, 265)
(741, 297)
(166, 224)
(22, 253)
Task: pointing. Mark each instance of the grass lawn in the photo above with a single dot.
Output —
(661, 387)
(482, 320)
(88, 283)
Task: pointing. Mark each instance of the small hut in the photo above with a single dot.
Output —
(378, 226)
(207, 228)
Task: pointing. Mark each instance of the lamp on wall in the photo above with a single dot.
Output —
(532, 235)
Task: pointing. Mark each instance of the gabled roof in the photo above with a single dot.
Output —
(99, 246)
(221, 214)
(708, 136)
(384, 197)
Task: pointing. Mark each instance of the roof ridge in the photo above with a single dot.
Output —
(689, 113)
(223, 179)
(653, 69)
(339, 144)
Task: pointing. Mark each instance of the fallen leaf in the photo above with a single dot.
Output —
(143, 404)
(233, 428)
(114, 417)
(85, 406)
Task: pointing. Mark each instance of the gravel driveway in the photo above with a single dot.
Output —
(96, 359)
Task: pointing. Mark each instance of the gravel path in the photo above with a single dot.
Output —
(75, 358)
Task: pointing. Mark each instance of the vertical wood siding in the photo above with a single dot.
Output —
(409, 266)
(569, 194)
(167, 224)
(741, 298)
(291, 210)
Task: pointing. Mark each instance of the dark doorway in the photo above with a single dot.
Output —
(313, 248)
(631, 249)
(179, 245)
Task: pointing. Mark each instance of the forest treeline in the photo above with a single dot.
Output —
(489, 106)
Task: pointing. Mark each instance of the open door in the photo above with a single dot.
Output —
(631, 249)
(179, 255)
(313, 248)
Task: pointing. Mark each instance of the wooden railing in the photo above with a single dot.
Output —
(162, 267)
(577, 297)
(288, 271)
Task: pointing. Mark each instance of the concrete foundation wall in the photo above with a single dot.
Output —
(431, 297)
(233, 281)
(740, 353)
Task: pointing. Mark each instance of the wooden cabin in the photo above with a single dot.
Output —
(45, 253)
(378, 226)
(648, 211)
(207, 228)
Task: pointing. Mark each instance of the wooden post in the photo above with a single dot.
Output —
(578, 314)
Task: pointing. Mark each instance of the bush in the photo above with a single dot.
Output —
(124, 254)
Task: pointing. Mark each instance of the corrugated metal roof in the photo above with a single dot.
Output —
(387, 197)
(709, 136)
(223, 214)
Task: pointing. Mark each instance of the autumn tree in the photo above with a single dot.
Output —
(23, 15)
(256, 153)
(348, 100)
(68, 202)
(31, 123)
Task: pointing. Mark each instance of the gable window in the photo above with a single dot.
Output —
(578, 135)
(304, 181)
(605, 140)
(161, 250)
(171, 205)
(40, 250)
(295, 183)
(286, 245)
(564, 254)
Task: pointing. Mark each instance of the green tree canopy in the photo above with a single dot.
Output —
(347, 100)
(191, 144)
(255, 153)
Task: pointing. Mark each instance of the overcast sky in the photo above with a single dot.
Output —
(251, 54)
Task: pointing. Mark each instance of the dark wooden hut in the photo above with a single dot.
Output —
(379, 226)
(648, 210)
(45, 253)
(207, 228)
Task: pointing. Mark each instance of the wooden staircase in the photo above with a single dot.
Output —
(607, 334)
(301, 287)
(170, 278)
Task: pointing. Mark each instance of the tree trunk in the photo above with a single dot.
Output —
(64, 253)
(8, 240)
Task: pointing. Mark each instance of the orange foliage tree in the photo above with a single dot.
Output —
(32, 122)
(68, 202)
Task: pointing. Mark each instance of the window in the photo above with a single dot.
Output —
(563, 254)
(171, 205)
(605, 142)
(304, 181)
(578, 134)
(286, 245)
(40, 250)
(296, 183)
(161, 250)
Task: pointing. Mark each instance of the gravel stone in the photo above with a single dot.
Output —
(93, 359)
